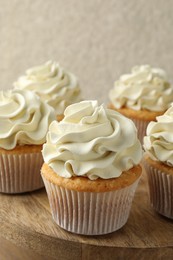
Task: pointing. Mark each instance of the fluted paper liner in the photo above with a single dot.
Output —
(161, 190)
(20, 172)
(141, 126)
(90, 213)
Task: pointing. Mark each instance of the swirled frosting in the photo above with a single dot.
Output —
(24, 118)
(53, 84)
(159, 140)
(145, 88)
(92, 141)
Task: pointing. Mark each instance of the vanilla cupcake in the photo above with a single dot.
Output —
(58, 87)
(142, 96)
(91, 168)
(24, 121)
(158, 161)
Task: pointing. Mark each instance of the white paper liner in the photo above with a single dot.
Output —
(141, 126)
(90, 213)
(20, 172)
(161, 190)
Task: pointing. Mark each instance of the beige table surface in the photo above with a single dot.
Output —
(97, 40)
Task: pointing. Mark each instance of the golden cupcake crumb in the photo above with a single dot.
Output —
(84, 184)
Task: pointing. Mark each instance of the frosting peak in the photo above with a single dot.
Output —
(92, 141)
(145, 88)
(59, 88)
(159, 140)
(24, 118)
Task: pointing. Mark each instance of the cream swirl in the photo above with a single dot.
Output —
(53, 84)
(24, 118)
(159, 140)
(92, 141)
(145, 88)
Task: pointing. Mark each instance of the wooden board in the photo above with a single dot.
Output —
(26, 221)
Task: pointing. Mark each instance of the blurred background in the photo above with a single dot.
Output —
(97, 40)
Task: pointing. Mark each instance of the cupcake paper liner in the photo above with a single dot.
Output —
(90, 213)
(20, 172)
(141, 127)
(161, 190)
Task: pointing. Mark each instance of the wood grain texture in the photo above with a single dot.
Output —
(10, 251)
(26, 221)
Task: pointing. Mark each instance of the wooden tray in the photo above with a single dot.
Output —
(26, 221)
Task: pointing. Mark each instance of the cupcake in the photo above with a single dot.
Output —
(58, 87)
(24, 121)
(158, 160)
(91, 168)
(142, 96)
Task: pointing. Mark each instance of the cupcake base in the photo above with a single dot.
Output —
(88, 212)
(141, 127)
(20, 169)
(160, 180)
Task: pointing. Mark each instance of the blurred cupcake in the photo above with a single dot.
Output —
(58, 87)
(158, 160)
(24, 121)
(142, 96)
(91, 168)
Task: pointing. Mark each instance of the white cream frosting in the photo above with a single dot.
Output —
(158, 142)
(24, 118)
(145, 88)
(92, 141)
(53, 84)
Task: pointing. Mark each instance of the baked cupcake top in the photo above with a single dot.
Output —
(158, 143)
(58, 87)
(145, 88)
(24, 118)
(92, 141)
